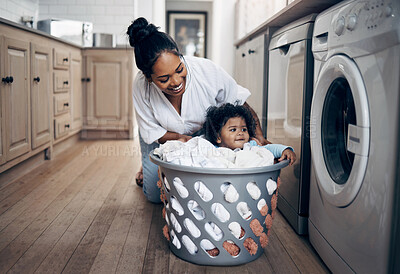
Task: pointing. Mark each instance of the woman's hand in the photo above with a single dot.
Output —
(184, 138)
(174, 136)
(288, 154)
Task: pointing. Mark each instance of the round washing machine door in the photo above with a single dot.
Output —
(340, 130)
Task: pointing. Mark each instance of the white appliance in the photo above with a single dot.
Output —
(355, 136)
(290, 87)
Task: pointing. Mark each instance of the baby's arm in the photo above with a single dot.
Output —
(282, 152)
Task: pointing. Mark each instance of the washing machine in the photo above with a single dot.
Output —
(354, 136)
(290, 87)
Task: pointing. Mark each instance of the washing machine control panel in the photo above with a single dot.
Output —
(358, 20)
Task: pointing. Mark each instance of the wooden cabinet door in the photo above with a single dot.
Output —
(40, 95)
(108, 89)
(76, 91)
(240, 65)
(2, 105)
(255, 75)
(17, 98)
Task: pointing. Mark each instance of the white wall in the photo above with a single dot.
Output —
(13, 10)
(223, 34)
(107, 16)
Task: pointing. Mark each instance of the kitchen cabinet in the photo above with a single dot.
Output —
(108, 83)
(76, 91)
(61, 92)
(249, 73)
(40, 94)
(16, 98)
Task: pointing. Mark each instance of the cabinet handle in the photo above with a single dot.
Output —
(66, 104)
(65, 60)
(85, 79)
(65, 82)
(7, 79)
(36, 79)
(251, 51)
(66, 125)
(243, 55)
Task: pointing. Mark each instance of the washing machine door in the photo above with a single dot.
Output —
(340, 130)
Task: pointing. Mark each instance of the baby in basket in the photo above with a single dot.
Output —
(233, 126)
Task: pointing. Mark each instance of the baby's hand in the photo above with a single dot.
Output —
(288, 154)
(184, 138)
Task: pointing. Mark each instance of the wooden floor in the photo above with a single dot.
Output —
(82, 212)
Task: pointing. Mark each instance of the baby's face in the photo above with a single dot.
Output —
(234, 133)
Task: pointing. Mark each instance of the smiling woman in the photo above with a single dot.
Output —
(172, 93)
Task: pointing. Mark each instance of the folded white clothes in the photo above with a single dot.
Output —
(198, 152)
(235, 228)
(271, 186)
(203, 191)
(214, 231)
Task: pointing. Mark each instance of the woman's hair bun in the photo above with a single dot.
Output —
(139, 30)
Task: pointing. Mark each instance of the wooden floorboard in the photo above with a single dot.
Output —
(82, 212)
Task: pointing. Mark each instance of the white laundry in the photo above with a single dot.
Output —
(207, 245)
(214, 231)
(182, 190)
(243, 210)
(176, 206)
(175, 223)
(203, 191)
(198, 152)
(261, 204)
(196, 210)
(192, 228)
(190, 246)
(230, 193)
(235, 228)
(253, 190)
(271, 186)
(220, 212)
(175, 240)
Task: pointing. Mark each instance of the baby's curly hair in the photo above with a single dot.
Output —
(217, 117)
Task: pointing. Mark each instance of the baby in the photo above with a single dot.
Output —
(232, 126)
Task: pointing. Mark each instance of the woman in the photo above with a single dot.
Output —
(171, 95)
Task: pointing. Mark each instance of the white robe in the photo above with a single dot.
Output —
(206, 85)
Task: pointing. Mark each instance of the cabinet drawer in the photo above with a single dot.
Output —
(61, 59)
(61, 104)
(61, 126)
(61, 81)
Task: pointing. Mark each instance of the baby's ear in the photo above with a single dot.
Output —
(219, 140)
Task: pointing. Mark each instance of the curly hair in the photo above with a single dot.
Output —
(217, 117)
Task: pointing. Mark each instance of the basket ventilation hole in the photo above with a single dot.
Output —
(220, 212)
(230, 193)
(236, 230)
(182, 190)
(196, 210)
(244, 210)
(175, 240)
(166, 184)
(190, 246)
(253, 190)
(262, 207)
(231, 248)
(176, 206)
(214, 231)
(209, 248)
(271, 186)
(175, 223)
(204, 193)
(192, 228)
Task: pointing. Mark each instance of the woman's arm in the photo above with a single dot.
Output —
(259, 134)
(174, 136)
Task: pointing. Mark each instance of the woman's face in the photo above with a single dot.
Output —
(234, 133)
(169, 74)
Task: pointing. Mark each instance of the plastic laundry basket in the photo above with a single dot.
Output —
(189, 235)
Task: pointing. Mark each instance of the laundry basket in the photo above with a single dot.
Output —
(203, 218)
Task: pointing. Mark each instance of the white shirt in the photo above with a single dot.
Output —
(206, 85)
